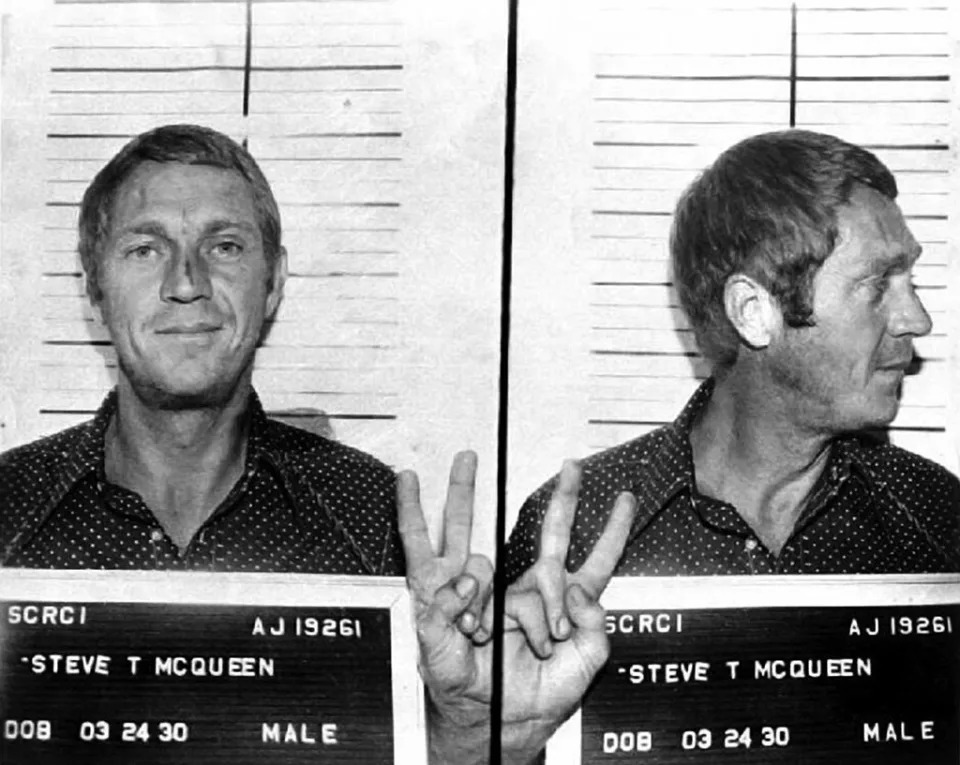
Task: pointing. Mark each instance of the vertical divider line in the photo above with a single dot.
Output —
(793, 65)
(247, 58)
(500, 584)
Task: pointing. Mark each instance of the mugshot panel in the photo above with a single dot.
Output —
(382, 140)
(619, 106)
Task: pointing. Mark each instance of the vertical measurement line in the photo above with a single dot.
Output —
(247, 58)
(500, 584)
(793, 65)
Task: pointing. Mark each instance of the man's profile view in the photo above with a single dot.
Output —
(793, 262)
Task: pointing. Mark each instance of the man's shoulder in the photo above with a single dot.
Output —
(41, 456)
(315, 455)
(354, 488)
(622, 467)
(907, 475)
(643, 466)
(33, 475)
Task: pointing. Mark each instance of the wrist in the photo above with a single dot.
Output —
(458, 732)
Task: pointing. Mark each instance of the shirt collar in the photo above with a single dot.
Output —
(671, 464)
(88, 452)
(670, 467)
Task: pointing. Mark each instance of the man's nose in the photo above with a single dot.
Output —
(186, 278)
(909, 316)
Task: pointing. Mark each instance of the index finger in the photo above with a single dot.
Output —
(596, 571)
(413, 526)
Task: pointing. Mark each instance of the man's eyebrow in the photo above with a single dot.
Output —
(148, 228)
(222, 224)
(902, 260)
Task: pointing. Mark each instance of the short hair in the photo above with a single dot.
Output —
(766, 208)
(188, 144)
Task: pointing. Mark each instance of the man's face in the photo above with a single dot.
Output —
(186, 285)
(844, 373)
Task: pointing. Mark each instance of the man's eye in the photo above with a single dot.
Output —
(141, 252)
(227, 250)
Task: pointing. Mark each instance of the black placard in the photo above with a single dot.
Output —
(121, 682)
(877, 684)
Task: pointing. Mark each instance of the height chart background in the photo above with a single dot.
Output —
(619, 105)
(379, 124)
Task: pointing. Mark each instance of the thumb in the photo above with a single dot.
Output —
(590, 635)
(437, 625)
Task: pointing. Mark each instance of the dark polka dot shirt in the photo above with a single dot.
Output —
(304, 504)
(876, 509)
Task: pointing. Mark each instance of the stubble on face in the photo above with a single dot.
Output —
(188, 343)
(844, 373)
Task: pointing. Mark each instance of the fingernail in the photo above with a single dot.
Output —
(465, 586)
(468, 622)
(563, 626)
(577, 595)
(547, 649)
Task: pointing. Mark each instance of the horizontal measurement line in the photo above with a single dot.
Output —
(390, 205)
(99, 343)
(659, 144)
(917, 429)
(875, 34)
(697, 100)
(627, 422)
(314, 91)
(238, 46)
(631, 284)
(667, 354)
(659, 213)
(339, 274)
(137, 91)
(671, 331)
(877, 78)
(331, 416)
(139, 114)
(70, 136)
(341, 135)
(873, 55)
(695, 78)
(860, 8)
(331, 68)
(874, 101)
(908, 146)
(330, 159)
(144, 69)
(702, 122)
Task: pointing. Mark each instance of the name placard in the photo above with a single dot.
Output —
(774, 670)
(121, 667)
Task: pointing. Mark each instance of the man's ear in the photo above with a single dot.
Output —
(276, 283)
(96, 303)
(752, 310)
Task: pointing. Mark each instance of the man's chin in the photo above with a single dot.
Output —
(181, 397)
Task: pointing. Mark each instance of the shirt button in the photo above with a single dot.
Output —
(750, 544)
(156, 535)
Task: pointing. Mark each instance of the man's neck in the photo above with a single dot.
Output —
(183, 463)
(750, 451)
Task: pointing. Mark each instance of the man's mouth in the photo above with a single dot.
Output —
(900, 365)
(193, 328)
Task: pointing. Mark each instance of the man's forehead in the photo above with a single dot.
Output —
(184, 187)
(876, 223)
